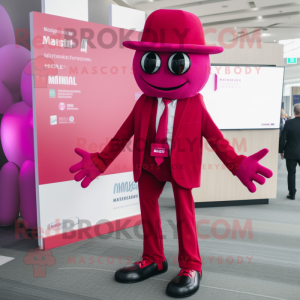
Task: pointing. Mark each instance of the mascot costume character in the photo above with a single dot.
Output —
(171, 65)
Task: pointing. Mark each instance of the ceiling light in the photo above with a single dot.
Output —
(265, 34)
(259, 17)
(274, 41)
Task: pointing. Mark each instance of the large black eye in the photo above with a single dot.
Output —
(179, 63)
(150, 62)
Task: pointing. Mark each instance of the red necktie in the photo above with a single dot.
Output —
(161, 135)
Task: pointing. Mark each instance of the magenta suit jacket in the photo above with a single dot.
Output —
(192, 123)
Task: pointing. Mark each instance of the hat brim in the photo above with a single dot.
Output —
(164, 47)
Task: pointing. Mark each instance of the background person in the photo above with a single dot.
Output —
(289, 148)
(283, 119)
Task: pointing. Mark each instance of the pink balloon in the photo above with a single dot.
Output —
(13, 59)
(28, 195)
(26, 87)
(30, 118)
(9, 194)
(6, 98)
(17, 134)
(16, 97)
(7, 33)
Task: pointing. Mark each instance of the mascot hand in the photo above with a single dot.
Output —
(87, 170)
(250, 169)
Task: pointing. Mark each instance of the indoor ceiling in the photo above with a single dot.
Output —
(276, 19)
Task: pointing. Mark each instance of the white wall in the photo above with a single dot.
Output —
(292, 73)
(74, 9)
(268, 54)
(127, 18)
(287, 88)
(99, 11)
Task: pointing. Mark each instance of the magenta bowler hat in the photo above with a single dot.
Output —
(171, 30)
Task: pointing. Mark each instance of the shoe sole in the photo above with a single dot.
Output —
(189, 295)
(136, 281)
(185, 296)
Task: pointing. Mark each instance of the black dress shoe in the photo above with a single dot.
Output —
(291, 197)
(185, 284)
(140, 271)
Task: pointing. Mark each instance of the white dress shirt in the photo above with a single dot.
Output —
(171, 117)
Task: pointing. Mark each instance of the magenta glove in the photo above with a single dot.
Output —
(250, 169)
(87, 170)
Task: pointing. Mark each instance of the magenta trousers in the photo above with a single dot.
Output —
(150, 189)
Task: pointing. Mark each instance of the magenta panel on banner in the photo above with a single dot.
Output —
(83, 94)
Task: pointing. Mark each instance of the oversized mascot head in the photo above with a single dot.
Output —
(172, 60)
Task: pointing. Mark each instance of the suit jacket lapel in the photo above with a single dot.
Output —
(179, 113)
(145, 120)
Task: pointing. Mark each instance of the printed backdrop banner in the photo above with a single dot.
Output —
(83, 90)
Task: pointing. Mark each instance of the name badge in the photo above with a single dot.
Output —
(160, 150)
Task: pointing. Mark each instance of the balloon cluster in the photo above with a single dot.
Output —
(17, 179)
